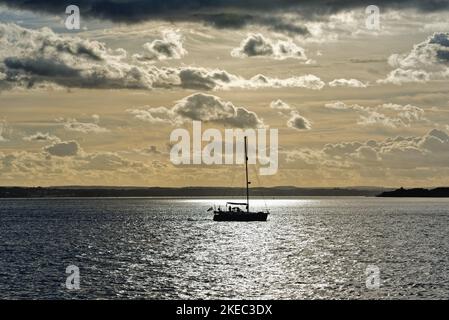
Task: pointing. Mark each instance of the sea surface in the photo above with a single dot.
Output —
(150, 248)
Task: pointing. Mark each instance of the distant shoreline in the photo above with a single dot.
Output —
(187, 192)
(216, 192)
(441, 192)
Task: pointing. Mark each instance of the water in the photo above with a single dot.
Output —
(171, 249)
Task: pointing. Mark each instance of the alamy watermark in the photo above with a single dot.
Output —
(372, 273)
(73, 280)
(372, 21)
(73, 20)
(229, 150)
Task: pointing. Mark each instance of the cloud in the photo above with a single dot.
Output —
(29, 57)
(234, 20)
(63, 149)
(169, 47)
(70, 163)
(130, 11)
(152, 115)
(295, 120)
(41, 137)
(33, 58)
(280, 105)
(376, 118)
(408, 112)
(207, 79)
(309, 20)
(400, 76)
(400, 153)
(308, 81)
(352, 83)
(339, 105)
(96, 118)
(298, 122)
(387, 114)
(216, 79)
(105, 161)
(200, 107)
(256, 45)
(427, 61)
(151, 150)
(83, 127)
(431, 149)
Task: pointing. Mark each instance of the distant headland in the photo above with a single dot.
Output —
(441, 192)
(101, 191)
(282, 191)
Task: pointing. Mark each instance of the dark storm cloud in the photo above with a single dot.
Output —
(40, 67)
(240, 20)
(219, 13)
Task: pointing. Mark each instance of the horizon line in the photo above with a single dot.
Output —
(220, 187)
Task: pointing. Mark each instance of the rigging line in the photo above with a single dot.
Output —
(227, 191)
(256, 168)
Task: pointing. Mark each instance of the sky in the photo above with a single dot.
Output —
(353, 105)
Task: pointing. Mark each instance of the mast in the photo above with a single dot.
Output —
(246, 170)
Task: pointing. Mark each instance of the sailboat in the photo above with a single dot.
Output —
(240, 211)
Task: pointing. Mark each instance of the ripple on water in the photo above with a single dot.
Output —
(170, 249)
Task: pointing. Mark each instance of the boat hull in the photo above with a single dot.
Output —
(240, 216)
